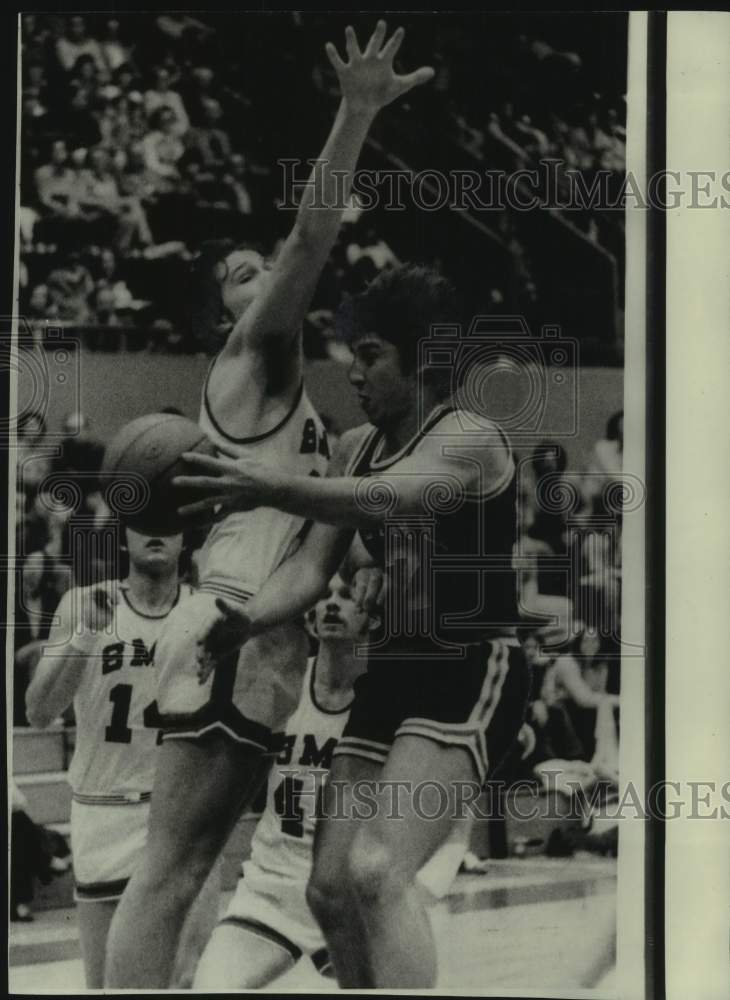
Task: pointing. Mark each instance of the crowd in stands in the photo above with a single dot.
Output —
(143, 136)
(135, 149)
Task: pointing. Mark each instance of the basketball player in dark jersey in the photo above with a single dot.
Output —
(430, 486)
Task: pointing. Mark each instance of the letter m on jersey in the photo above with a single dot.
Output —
(314, 756)
(142, 657)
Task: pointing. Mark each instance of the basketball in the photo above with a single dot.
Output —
(140, 463)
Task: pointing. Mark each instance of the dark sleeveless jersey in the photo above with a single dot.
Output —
(450, 574)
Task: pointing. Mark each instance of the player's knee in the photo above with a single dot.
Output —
(175, 877)
(327, 899)
(372, 871)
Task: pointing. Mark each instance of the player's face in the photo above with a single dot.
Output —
(385, 393)
(153, 554)
(242, 276)
(337, 616)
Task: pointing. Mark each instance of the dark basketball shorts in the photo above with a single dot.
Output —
(477, 703)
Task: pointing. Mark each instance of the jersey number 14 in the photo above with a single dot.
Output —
(121, 698)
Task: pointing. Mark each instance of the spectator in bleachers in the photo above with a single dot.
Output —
(606, 462)
(235, 179)
(76, 42)
(162, 96)
(35, 79)
(135, 177)
(71, 287)
(163, 149)
(76, 121)
(114, 50)
(114, 300)
(41, 310)
(549, 462)
(126, 78)
(555, 737)
(34, 36)
(33, 454)
(34, 118)
(85, 76)
(208, 141)
(175, 26)
(373, 247)
(97, 195)
(55, 184)
(35, 853)
(37, 592)
(122, 218)
(577, 680)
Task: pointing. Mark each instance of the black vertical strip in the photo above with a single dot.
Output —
(8, 61)
(655, 568)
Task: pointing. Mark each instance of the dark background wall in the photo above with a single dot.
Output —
(111, 389)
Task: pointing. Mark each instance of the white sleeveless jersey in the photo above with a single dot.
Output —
(116, 711)
(282, 843)
(244, 549)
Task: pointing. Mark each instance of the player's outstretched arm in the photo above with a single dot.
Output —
(368, 82)
(81, 615)
(447, 463)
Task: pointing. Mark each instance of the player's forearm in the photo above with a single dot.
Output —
(330, 183)
(347, 502)
(53, 687)
(288, 593)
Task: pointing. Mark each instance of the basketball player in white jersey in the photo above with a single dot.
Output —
(268, 925)
(216, 735)
(100, 657)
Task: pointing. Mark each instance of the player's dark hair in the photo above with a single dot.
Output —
(402, 305)
(208, 271)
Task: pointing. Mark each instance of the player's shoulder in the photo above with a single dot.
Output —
(468, 437)
(80, 595)
(469, 423)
